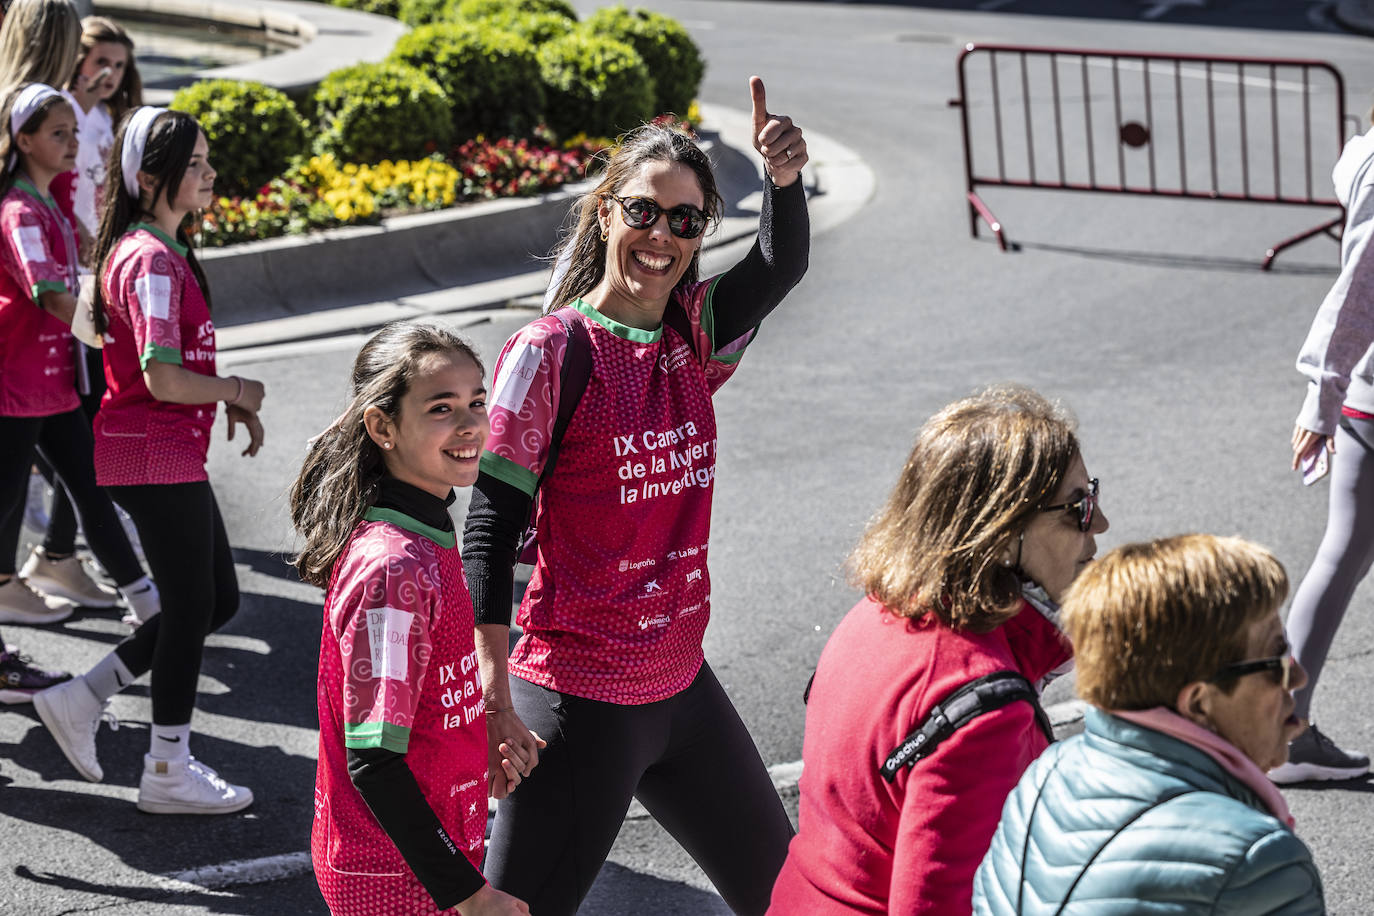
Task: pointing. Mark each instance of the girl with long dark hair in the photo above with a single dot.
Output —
(401, 789)
(152, 435)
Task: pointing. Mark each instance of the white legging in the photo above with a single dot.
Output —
(1342, 560)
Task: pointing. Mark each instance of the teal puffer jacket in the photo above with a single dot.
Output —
(1124, 819)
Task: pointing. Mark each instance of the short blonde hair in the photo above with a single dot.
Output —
(979, 471)
(1148, 619)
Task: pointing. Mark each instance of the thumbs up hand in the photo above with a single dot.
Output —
(777, 139)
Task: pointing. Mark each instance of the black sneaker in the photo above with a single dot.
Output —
(1313, 756)
(20, 680)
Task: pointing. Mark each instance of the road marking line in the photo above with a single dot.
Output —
(1166, 6)
(1197, 74)
(244, 871)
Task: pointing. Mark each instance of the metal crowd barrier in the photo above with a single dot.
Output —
(1260, 130)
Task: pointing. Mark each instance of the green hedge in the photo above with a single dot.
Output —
(390, 8)
(536, 28)
(490, 76)
(481, 9)
(371, 112)
(253, 130)
(423, 12)
(668, 51)
(595, 85)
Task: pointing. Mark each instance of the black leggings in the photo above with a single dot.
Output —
(689, 761)
(61, 537)
(64, 441)
(188, 554)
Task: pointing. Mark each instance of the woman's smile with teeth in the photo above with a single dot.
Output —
(462, 454)
(652, 262)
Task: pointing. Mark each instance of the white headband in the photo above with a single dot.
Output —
(29, 101)
(135, 141)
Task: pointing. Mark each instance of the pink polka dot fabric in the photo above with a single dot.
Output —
(398, 669)
(156, 311)
(620, 595)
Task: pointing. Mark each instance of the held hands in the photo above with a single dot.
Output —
(777, 139)
(1305, 441)
(491, 902)
(512, 752)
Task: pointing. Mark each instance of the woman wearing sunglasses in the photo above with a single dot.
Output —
(1164, 799)
(992, 517)
(609, 668)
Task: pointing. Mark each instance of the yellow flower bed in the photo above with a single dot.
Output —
(355, 191)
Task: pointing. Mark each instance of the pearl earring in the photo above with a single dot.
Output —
(386, 445)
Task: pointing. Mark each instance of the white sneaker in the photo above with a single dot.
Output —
(21, 604)
(72, 714)
(187, 786)
(65, 578)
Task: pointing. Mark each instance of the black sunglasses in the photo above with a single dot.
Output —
(1280, 665)
(1085, 506)
(684, 221)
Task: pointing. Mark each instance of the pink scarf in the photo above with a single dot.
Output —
(1163, 719)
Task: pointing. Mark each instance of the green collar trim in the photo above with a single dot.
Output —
(24, 185)
(166, 239)
(445, 539)
(623, 331)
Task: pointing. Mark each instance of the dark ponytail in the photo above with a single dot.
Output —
(171, 142)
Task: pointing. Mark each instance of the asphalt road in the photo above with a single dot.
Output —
(1147, 317)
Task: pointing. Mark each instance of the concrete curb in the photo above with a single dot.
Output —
(403, 256)
(325, 38)
(839, 183)
(419, 253)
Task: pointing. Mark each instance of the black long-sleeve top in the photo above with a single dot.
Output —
(385, 780)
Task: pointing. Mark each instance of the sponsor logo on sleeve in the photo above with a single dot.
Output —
(29, 241)
(519, 369)
(154, 293)
(388, 636)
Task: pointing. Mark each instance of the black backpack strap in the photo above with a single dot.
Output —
(675, 317)
(992, 691)
(572, 381)
(573, 376)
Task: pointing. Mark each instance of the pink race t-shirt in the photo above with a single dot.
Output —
(156, 311)
(398, 670)
(37, 255)
(620, 595)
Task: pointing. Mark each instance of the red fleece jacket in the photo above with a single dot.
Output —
(912, 846)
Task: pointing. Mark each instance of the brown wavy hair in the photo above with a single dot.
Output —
(1148, 619)
(979, 471)
(343, 467)
(582, 246)
(129, 95)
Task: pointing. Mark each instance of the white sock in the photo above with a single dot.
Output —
(142, 597)
(109, 676)
(169, 742)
